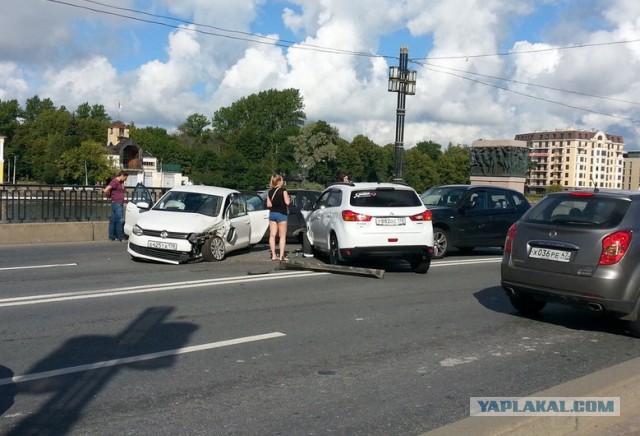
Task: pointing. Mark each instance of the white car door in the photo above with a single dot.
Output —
(320, 218)
(259, 216)
(241, 222)
(141, 195)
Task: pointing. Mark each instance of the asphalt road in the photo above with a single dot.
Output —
(92, 342)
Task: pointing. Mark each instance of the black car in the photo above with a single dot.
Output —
(302, 200)
(469, 216)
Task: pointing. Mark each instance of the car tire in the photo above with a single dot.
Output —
(307, 248)
(420, 264)
(214, 249)
(526, 305)
(440, 243)
(334, 250)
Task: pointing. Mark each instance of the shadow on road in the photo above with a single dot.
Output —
(97, 359)
(495, 299)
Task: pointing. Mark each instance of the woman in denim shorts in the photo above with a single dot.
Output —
(277, 201)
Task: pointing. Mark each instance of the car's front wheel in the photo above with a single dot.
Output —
(440, 243)
(527, 305)
(214, 249)
(334, 250)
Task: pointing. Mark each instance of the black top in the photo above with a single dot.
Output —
(277, 200)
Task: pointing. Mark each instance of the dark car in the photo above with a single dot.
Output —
(469, 216)
(579, 248)
(302, 201)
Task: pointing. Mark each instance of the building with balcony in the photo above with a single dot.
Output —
(142, 166)
(573, 159)
(631, 171)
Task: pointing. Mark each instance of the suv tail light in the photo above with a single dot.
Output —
(348, 215)
(508, 242)
(614, 246)
(422, 216)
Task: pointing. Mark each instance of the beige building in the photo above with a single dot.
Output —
(574, 159)
(631, 171)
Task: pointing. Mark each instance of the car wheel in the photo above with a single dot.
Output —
(334, 250)
(420, 264)
(527, 305)
(214, 249)
(440, 243)
(307, 248)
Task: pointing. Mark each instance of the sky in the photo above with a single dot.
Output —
(486, 69)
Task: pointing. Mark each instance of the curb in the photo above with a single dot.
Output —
(622, 380)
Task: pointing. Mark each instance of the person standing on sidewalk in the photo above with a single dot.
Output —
(277, 202)
(115, 191)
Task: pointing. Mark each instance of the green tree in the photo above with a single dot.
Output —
(35, 106)
(194, 125)
(420, 171)
(431, 149)
(454, 165)
(87, 163)
(314, 150)
(258, 125)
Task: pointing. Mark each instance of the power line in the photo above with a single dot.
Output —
(533, 84)
(250, 37)
(632, 120)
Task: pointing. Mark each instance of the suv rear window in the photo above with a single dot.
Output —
(590, 211)
(385, 198)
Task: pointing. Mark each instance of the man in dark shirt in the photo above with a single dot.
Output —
(115, 191)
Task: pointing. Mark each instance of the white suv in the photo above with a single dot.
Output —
(363, 220)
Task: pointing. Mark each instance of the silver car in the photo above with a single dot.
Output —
(580, 248)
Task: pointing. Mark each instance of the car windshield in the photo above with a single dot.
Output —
(441, 196)
(385, 197)
(191, 202)
(580, 211)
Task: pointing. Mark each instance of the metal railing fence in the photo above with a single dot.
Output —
(26, 203)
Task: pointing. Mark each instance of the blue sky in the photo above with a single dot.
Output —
(467, 87)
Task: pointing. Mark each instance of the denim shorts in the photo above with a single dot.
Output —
(277, 217)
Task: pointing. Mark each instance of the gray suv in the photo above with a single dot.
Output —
(580, 248)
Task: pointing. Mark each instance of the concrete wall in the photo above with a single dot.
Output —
(42, 233)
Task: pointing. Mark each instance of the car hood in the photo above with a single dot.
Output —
(179, 222)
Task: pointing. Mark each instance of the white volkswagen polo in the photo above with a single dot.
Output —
(364, 220)
(192, 223)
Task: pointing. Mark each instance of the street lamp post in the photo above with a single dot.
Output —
(403, 81)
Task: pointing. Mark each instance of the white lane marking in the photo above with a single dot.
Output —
(464, 262)
(37, 266)
(82, 295)
(132, 359)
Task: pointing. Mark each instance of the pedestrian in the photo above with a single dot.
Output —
(344, 178)
(115, 191)
(277, 202)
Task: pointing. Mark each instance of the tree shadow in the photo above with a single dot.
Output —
(76, 372)
(7, 391)
(495, 299)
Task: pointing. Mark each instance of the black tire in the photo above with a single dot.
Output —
(334, 250)
(527, 305)
(213, 249)
(307, 248)
(440, 243)
(420, 264)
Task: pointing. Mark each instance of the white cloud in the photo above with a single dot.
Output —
(163, 77)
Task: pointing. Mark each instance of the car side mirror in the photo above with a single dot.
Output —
(143, 205)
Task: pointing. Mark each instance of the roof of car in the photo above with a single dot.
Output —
(465, 186)
(371, 185)
(204, 189)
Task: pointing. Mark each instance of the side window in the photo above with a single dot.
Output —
(322, 201)
(478, 200)
(335, 199)
(238, 207)
(498, 199)
(254, 202)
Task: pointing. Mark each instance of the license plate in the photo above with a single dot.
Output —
(390, 221)
(550, 254)
(162, 245)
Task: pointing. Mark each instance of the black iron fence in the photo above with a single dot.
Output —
(57, 203)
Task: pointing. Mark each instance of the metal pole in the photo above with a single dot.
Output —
(400, 114)
(14, 168)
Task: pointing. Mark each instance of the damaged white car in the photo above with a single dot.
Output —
(193, 223)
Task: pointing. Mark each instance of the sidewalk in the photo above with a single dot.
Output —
(621, 380)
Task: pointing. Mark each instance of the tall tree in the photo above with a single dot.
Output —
(431, 149)
(194, 125)
(87, 164)
(314, 151)
(454, 167)
(35, 106)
